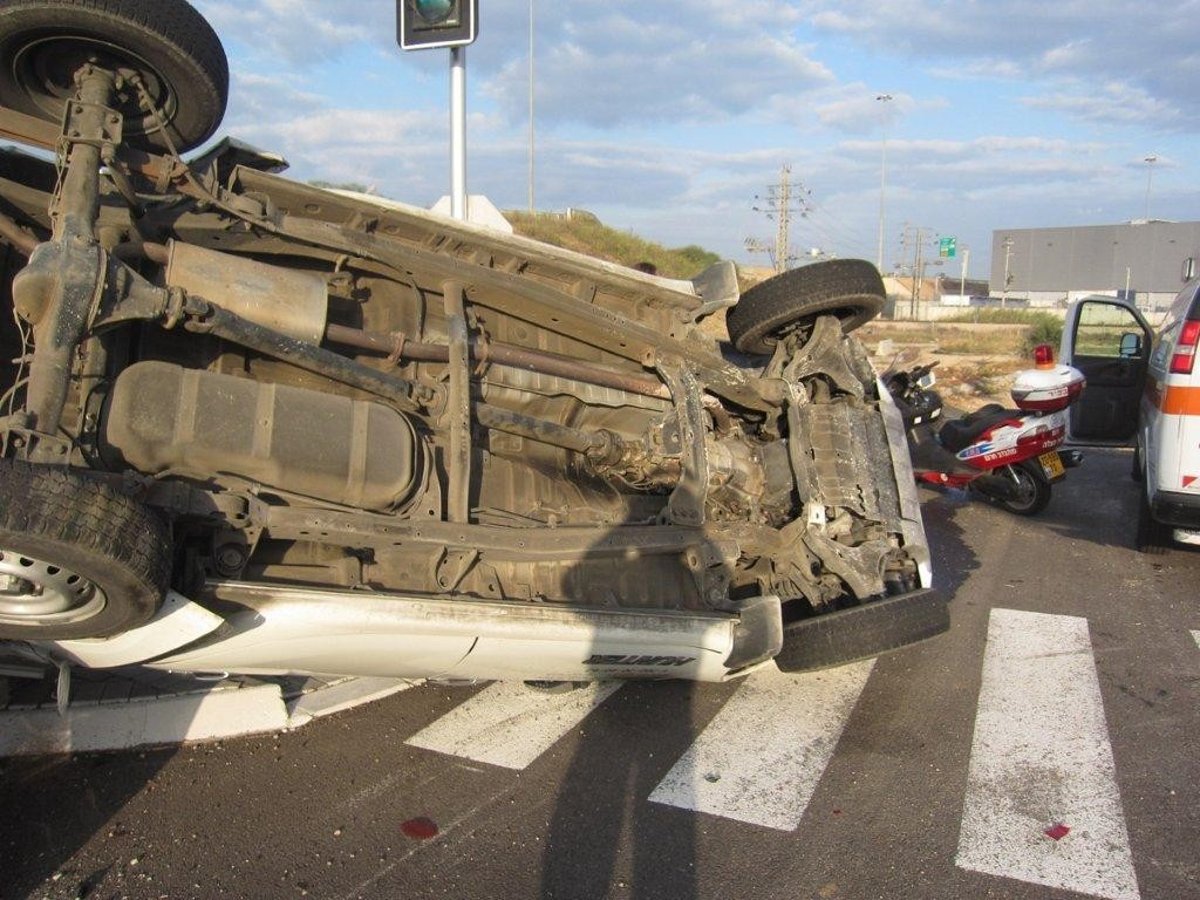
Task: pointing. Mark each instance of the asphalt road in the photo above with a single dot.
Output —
(890, 784)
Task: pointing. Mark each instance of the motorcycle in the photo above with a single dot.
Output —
(1010, 456)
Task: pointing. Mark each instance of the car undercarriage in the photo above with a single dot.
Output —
(253, 425)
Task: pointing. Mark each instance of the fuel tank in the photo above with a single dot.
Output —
(164, 419)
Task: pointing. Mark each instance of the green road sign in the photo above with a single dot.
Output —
(947, 246)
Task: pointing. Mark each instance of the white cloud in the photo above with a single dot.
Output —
(297, 31)
(682, 61)
(1150, 43)
(1113, 102)
(670, 117)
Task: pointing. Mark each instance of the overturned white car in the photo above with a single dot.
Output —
(253, 426)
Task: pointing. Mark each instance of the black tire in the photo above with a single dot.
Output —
(1135, 466)
(862, 632)
(77, 559)
(166, 42)
(850, 289)
(1153, 537)
(1033, 489)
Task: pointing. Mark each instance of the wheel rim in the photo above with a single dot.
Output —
(1026, 489)
(37, 592)
(843, 314)
(44, 70)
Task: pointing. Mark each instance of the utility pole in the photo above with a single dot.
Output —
(779, 205)
(962, 281)
(918, 264)
(784, 219)
(754, 245)
(1008, 245)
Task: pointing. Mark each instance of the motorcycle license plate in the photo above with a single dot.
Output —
(1051, 465)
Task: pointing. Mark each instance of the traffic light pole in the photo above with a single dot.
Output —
(458, 132)
(427, 25)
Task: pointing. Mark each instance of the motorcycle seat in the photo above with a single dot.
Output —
(958, 434)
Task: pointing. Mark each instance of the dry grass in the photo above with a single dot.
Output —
(586, 234)
(960, 340)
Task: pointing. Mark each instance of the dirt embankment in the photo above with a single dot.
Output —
(976, 362)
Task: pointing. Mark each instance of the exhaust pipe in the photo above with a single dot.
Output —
(996, 486)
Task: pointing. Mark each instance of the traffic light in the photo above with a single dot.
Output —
(426, 24)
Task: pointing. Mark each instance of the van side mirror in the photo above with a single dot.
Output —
(1131, 345)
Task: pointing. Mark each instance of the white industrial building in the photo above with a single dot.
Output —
(1147, 260)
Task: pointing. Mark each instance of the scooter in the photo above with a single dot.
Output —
(1010, 456)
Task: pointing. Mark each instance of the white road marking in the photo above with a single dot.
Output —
(200, 716)
(508, 724)
(343, 695)
(1196, 637)
(1041, 760)
(760, 758)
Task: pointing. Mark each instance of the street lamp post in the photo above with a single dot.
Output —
(1008, 245)
(1150, 161)
(884, 98)
(531, 82)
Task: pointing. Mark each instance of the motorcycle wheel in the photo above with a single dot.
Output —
(77, 559)
(1033, 489)
(167, 44)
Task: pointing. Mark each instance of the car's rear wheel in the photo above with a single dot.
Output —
(77, 559)
(1152, 537)
(850, 289)
(166, 44)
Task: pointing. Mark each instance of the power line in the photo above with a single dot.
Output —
(779, 205)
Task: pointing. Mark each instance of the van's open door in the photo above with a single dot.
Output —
(1109, 341)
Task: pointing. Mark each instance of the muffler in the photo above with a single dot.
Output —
(996, 486)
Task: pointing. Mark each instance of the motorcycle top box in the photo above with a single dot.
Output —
(250, 425)
(1047, 387)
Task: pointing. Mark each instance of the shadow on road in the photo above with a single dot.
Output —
(1098, 503)
(54, 805)
(602, 806)
(953, 558)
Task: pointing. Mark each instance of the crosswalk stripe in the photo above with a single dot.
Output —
(508, 724)
(1042, 801)
(760, 758)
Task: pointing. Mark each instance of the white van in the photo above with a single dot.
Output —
(1145, 388)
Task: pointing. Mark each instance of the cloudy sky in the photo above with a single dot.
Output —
(668, 118)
